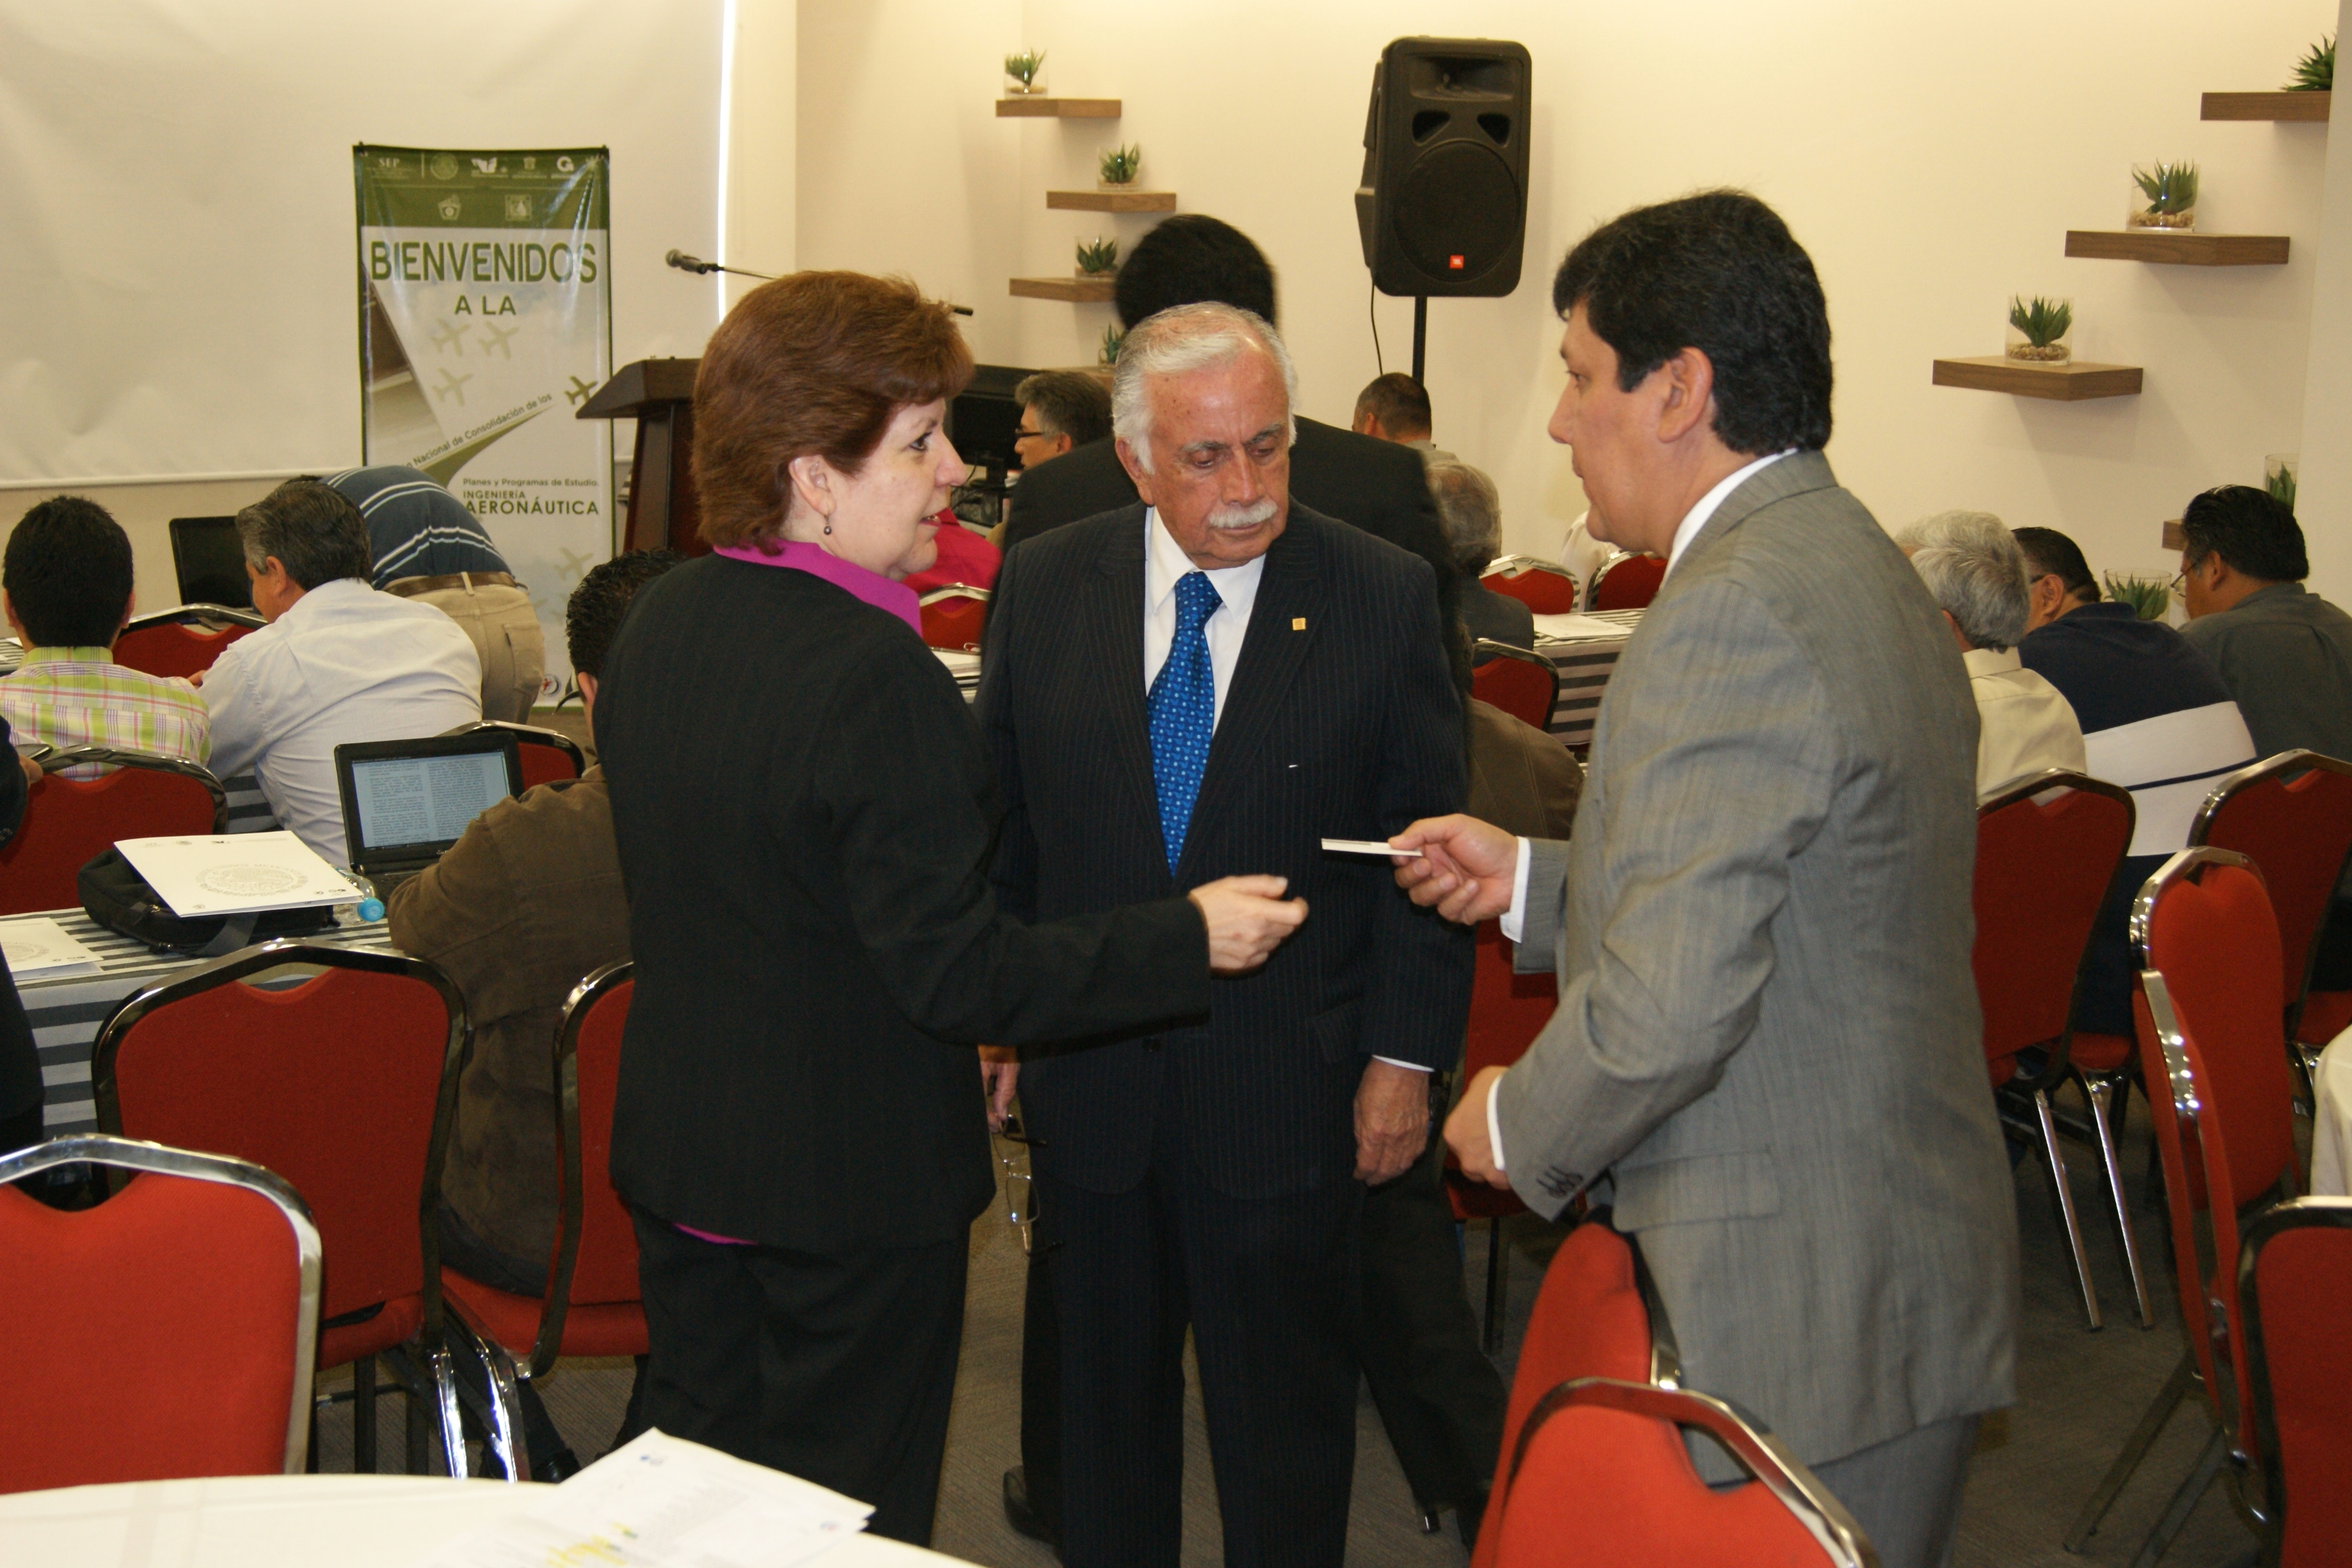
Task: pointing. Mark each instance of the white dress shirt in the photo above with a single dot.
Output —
(2024, 724)
(1514, 919)
(346, 663)
(1164, 564)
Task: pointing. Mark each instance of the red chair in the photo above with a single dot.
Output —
(592, 1305)
(67, 822)
(2294, 1278)
(2046, 849)
(2220, 1096)
(2299, 834)
(1628, 581)
(167, 1332)
(345, 1084)
(1520, 681)
(549, 756)
(953, 616)
(182, 641)
(1599, 1476)
(1508, 1011)
(1543, 587)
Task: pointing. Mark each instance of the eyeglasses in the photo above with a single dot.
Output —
(1020, 435)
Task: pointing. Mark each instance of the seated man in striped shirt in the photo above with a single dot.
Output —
(66, 583)
(2157, 719)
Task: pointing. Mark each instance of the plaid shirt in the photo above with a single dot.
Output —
(77, 697)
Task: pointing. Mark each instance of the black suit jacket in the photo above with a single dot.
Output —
(1333, 726)
(806, 816)
(1378, 486)
(20, 1063)
(1498, 618)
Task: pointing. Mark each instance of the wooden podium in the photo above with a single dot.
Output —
(658, 394)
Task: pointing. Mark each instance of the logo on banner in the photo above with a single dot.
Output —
(563, 165)
(519, 208)
(486, 165)
(389, 165)
(444, 166)
(450, 209)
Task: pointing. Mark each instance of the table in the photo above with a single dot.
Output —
(1585, 665)
(2331, 1121)
(296, 1521)
(66, 1010)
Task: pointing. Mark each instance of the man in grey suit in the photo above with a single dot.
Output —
(1766, 1049)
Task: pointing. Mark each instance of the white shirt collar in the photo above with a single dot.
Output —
(1164, 561)
(1696, 518)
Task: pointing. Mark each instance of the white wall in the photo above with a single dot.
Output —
(1926, 156)
(2324, 499)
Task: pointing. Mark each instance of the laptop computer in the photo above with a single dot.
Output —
(405, 802)
(209, 562)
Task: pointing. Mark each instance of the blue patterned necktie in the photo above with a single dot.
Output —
(1183, 713)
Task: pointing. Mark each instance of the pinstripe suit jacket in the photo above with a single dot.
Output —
(1768, 1028)
(1341, 721)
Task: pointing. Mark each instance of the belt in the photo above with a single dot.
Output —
(409, 587)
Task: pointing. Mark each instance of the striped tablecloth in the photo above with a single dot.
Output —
(1585, 665)
(66, 1010)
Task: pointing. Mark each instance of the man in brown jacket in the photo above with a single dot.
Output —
(520, 909)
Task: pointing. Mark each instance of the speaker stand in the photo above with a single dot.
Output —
(1420, 335)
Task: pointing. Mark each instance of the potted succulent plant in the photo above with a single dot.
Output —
(2150, 597)
(1119, 166)
(2041, 332)
(1113, 340)
(2164, 196)
(2316, 72)
(1025, 73)
(1098, 258)
(2279, 471)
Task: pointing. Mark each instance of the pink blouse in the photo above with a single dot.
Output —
(874, 588)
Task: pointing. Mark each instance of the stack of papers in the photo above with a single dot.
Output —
(231, 874)
(1577, 628)
(663, 1502)
(37, 945)
(964, 667)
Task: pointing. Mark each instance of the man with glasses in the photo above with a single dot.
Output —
(2157, 719)
(1059, 409)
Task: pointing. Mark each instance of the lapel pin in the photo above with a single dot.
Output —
(1298, 623)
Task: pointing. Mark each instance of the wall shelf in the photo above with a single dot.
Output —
(1057, 108)
(1077, 290)
(2177, 249)
(2173, 538)
(1112, 201)
(2303, 106)
(2070, 382)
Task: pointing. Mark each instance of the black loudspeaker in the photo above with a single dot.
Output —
(1443, 208)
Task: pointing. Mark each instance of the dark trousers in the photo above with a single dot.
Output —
(1267, 1287)
(1439, 1399)
(835, 1367)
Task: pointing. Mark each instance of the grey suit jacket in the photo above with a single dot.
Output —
(1768, 1032)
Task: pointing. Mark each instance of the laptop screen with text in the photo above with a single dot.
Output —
(408, 802)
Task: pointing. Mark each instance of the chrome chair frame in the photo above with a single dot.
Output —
(529, 734)
(2298, 1213)
(1609, 563)
(134, 1154)
(2098, 1094)
(2226, 1443)
(1762, 1454)
(2304, 1059)
(1489, 646)
(504, 1406)
(279, 953)
(1520, 566)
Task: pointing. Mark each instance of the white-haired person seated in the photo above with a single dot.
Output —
(1473, 514)
(1977, 574)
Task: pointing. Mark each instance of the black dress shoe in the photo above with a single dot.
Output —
(1466, 1520)
(562, 1463)
(1021, 1516)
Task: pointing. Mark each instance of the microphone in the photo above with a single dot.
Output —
(695, 264)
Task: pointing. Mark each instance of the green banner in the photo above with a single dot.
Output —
(485, 317)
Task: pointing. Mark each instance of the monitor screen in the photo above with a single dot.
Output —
(210, 562)
(405, 801)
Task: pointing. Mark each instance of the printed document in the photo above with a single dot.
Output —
(230, 874)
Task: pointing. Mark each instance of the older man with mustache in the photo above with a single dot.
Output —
(1212, 677)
